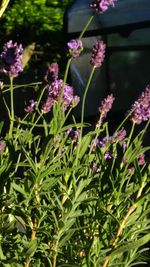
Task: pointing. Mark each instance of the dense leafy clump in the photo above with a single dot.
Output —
(71, 194)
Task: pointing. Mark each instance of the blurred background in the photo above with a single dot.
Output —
(37, 24)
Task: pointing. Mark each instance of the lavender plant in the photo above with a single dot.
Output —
(69, 198)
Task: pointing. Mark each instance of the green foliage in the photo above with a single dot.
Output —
(57, 211)
(37, 16)
(62, 201)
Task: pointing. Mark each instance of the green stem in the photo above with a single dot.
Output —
(28, 85)
(131, 133)
(12, 107)
(125, 119)
(83, 109)
(86, 26)
(8, 111)
(44, 122)
(84, 98)
(97, 133)
(65, 118)
(40, 97)
(55, 256)
(35, 123)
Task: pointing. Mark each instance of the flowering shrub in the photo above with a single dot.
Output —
(68, 198)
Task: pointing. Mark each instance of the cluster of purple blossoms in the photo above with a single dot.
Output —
(31, 106)
(141, 159)
(102, 5)
(75, 47)
(2, 146)
(11, 59)
(141, 107)
(108, 140)
(54, 91)
(104, 108)
(119, 136)
(98, 54)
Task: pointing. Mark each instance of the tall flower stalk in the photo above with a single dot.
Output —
(97, 58)
(11, 58)
(12, 118)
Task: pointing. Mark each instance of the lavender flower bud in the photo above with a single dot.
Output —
(46, 107)
(141, 159)
(52, 73)
(75, 47)
(124, 146)
(94, 144)
(67, 96)
(98, 54)
(119, 136)
(106, 105)
(141, 107)
(31, 107)
(102, 5)
(12, 59)
(94, 167)
(107, 155)
(106, 141)
(74, 135)
(2, 146)
(131, 170)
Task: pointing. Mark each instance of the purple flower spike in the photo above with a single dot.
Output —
(31, 107)
(141, 107)
(68, 96)
(12, 59)
(106, 105)
(2, 146)
(102, 5)
(52, 73)
(75, 47)
(98, 54)
(141, 159)
(47, 105)
(119, 136)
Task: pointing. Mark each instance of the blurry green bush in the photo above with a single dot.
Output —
(37, 15)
